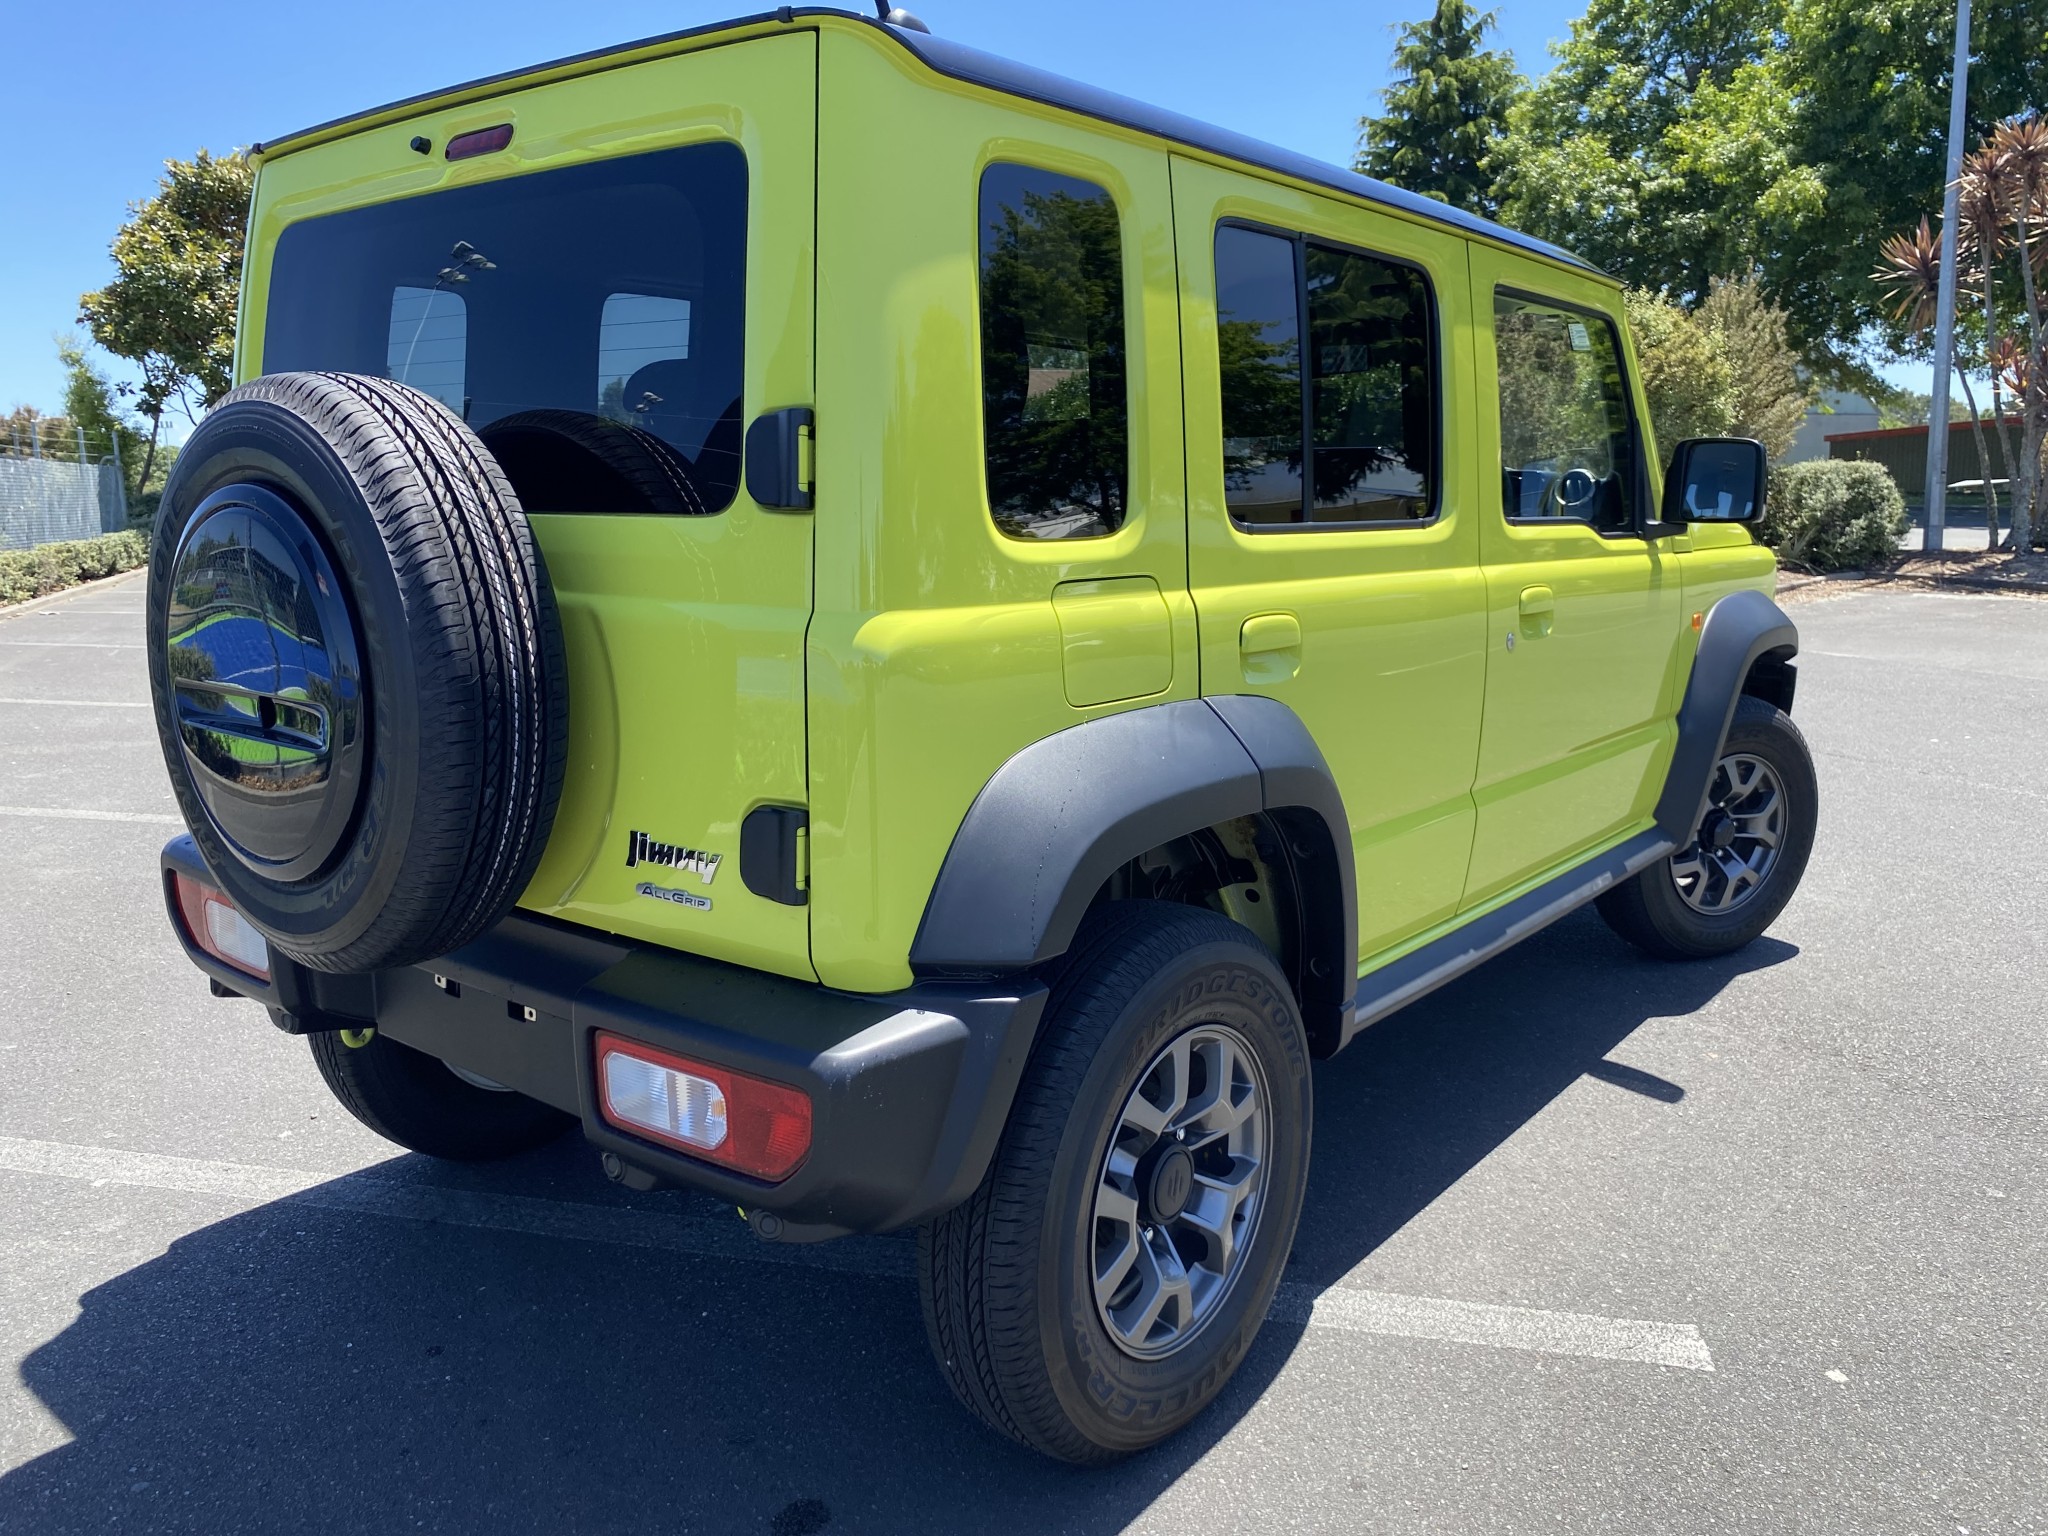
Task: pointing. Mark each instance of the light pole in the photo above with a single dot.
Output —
(1945, 302)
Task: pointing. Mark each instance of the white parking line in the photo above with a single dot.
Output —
(57, 813)
(1342, 1308)
(83, 703)
(75, 645)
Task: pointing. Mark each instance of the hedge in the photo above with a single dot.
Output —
(27, 573)
(1833, 515)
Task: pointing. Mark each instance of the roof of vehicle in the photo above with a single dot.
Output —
(973, 67)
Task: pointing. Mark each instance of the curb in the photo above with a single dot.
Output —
(10, 610)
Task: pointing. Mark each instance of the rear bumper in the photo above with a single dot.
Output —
(908, 1090)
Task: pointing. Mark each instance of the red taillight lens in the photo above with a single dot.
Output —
(212, 923)
(484, 141)
(746, 1123)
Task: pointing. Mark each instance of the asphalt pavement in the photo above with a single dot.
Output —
(1592, 1244)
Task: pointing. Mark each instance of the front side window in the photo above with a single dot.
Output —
(1055, 409)
(1344, 429)
(1567, 438)
(587, 322)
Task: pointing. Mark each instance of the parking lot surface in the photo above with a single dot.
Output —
(1592, 1244)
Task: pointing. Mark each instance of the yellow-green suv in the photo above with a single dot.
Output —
(904, 642)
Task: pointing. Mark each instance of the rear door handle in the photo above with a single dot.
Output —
(1269, 647)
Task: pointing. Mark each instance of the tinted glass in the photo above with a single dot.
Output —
(1368, 395)
(1054, 404)
(1567, 441)
(1372, 389)
(588, 321)
(1258, 343)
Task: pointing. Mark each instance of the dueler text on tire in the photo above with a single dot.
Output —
(1105, 1280)
(357, 669)
(1746, 856)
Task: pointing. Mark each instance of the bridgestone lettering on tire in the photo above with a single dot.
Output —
(371, 773)
(1025, 1304)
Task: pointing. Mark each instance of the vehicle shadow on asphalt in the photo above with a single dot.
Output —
(300, 1367)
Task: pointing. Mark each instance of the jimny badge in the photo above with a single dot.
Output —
(642, 849)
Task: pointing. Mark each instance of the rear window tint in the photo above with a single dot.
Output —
(587, 322)
(1056, 419)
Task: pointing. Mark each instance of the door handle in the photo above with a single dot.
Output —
(1539, 611)
(1269, 647)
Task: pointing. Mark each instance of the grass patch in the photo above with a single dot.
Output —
(27, 573)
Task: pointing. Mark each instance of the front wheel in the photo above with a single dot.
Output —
(1100, 1287)
(1747, 854)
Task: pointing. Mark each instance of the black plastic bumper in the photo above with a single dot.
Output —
(908, 1090)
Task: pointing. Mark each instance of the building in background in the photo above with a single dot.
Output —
(1836, 413)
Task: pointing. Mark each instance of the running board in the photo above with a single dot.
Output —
(1400, 982)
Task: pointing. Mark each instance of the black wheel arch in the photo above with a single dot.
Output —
(1746, 646)
(1060, 817)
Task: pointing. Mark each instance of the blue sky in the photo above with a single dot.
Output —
(93, 114)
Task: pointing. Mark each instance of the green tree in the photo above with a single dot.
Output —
(93, 402)
(1656, 146)
(1725, 369)
(1675, 141)
(170, 309)
(1872, 81)
(1445, 112)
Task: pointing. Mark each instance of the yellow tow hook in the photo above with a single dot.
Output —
(356, 1039)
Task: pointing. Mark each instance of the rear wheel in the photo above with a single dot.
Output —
(1747, 854)
(424, 1105)
(1106, 1279)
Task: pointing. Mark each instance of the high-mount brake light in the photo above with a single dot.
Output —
(484, 141)
(216, 927)
(745, 1123)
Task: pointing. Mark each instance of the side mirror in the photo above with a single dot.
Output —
(1715, 480)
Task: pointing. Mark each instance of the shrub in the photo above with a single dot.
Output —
(27, 573)
(1833, 515)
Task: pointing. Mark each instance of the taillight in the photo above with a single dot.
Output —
(212, 923)
(746, 1123)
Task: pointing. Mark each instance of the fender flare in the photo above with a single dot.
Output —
(1741, 630)
(1057, 819)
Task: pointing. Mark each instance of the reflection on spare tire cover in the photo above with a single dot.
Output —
(572, 461)
(266, 681)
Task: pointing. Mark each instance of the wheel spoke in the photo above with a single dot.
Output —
(1119, 1262)
(1158, 1278)
(1737, 844)
(1213, 1213)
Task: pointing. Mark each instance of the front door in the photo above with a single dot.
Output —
(1583, 611)
(1333, 510)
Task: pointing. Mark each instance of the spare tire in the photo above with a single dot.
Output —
(357, 669)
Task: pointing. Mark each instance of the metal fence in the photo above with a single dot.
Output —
(45, 500)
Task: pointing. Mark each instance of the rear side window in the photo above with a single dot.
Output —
(1344, 429)
(588, 322)
(1055, 411)
(1567, 437)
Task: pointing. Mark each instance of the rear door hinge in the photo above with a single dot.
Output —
(775, 853)
(780, 455)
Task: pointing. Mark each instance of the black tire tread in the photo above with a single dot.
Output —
(411, 1098)
(484, 642)
(1658, 925)
(987, 1249)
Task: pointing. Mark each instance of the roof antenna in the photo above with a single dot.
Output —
(896, 16)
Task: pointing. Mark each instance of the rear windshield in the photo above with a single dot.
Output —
(587, 322)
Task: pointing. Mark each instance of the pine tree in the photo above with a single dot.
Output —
(1445, 110)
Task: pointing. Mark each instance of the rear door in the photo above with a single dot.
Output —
(1332, 539)
(610, 301)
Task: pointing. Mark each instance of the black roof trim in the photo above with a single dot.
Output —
(973, 67)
